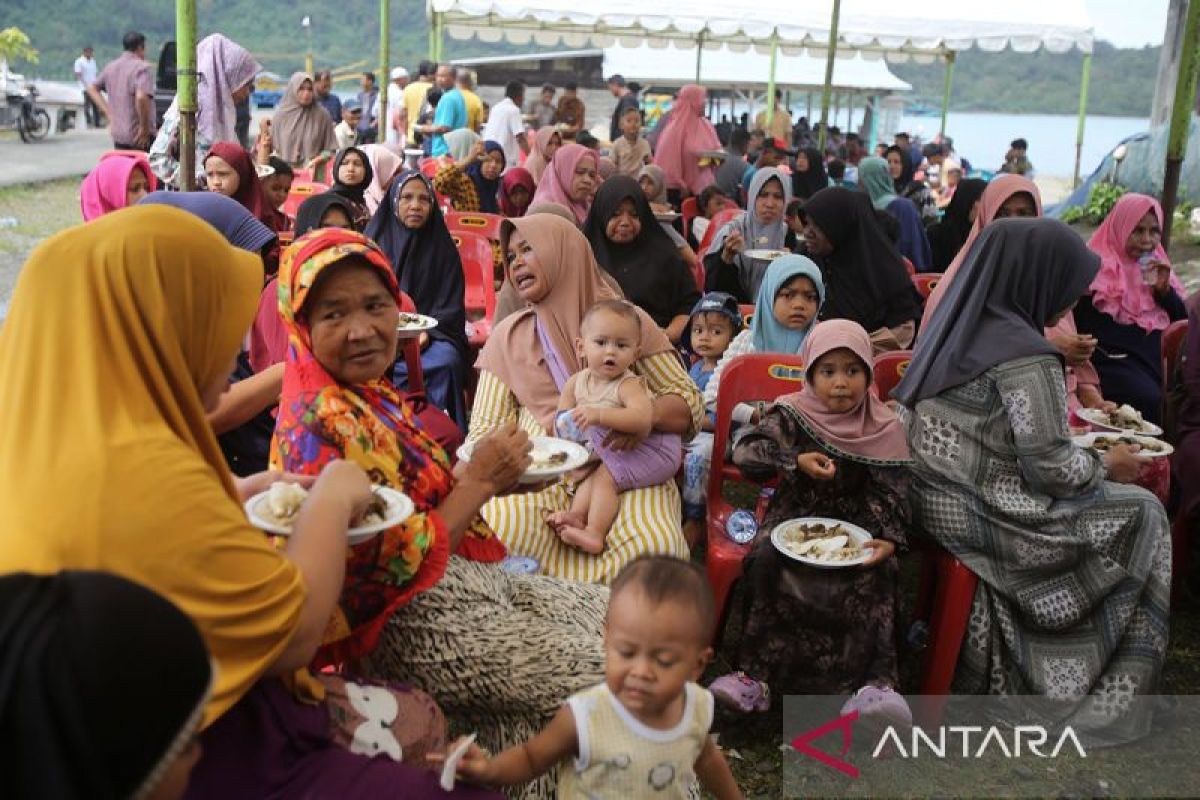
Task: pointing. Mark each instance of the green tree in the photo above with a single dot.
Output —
(15, 46)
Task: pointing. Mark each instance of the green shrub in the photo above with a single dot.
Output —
(1100, 201)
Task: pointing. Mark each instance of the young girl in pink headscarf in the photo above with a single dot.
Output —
(839, 452)
(1132, 300)
(120, 179)
(688, 133)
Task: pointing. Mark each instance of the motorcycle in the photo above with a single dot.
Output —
(33, 122)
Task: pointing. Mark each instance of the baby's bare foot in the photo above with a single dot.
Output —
(586, 541)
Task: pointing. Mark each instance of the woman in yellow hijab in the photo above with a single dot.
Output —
(121, 333)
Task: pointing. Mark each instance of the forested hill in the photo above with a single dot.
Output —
(348, 32)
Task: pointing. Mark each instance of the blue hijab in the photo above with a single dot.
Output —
(769, 335)
(239, 227)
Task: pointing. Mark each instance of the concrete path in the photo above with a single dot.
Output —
(64, 155)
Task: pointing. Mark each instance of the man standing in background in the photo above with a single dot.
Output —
(781, 122)
(414, 96)
(323, 88)
(86, 72)
(367, 126)
(466, 85)
(505, 126)
(397, 114)
(571, 112)
(542, 109)
(129, 82)
(451, 112)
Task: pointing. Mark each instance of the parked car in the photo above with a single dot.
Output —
(268, 89)
(164, 82)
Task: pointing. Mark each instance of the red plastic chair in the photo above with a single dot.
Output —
(487, 225)
(301, 191)
(908, 265)
(925, 281)
(429, 167)
(889, 369)
(953, 593)
(718, 221)
(412, 351)
(747, 312)
(688, 209)
(755, 376)
(480, 296)
(1172, 342)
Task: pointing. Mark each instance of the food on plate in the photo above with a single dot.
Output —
(768, 255)
(1144, 445)
(545, 458)
(410, 320)
(1126, 417)
(821, 542)
(285, 499)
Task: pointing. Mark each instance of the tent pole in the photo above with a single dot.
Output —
(771, 80)
(185, 66)
(947, 87)
(699, 51)
(437, 35)
(1181, 116)
(385, 26)
(1084, 80)
(833, 34)
(873, 134)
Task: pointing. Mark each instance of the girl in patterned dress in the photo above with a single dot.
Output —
(838, 452)
(643, 731)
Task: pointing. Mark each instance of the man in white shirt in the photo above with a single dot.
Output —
(86, 72)
(506, 127)
(397, 123)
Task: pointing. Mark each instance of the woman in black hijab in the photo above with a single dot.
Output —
(352, 175)
(947, 237)
(903, 172)
(865, 278)
(631, 246)
(328, 210)
(410, 228)
(103, 685)
(810, 176)
(1074, 569)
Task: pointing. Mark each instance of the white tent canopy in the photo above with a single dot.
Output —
(725, 69)
(868, 26)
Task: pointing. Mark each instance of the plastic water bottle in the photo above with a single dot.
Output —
(520, 565)
(1149, 273)
(741, 526)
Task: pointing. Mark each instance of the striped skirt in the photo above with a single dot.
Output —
(647, 524)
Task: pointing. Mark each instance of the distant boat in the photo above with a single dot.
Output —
(919, 109)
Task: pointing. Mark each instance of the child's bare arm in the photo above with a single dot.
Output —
(528, 760)
(715, 775)
(635, 418)
(566, 400)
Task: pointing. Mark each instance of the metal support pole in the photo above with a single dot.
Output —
(1083, 98)
(771, 80)
(185, 88)
(385, 35)
(699, 51)
(438, 31)
(833, 34)
(947, 87)
(1181, 116)
(308, 58)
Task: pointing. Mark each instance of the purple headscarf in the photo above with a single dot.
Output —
(224, 66)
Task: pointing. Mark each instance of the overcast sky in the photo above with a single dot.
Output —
(1129, 24)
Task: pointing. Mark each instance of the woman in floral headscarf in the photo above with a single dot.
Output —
(421, 600)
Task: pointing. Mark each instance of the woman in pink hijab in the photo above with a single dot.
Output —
(1017, 196)
(384, 166)
(1132, 300)
(570, 180)
(687, 134)
(120, 179)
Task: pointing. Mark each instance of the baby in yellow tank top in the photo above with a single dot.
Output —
(644, 731)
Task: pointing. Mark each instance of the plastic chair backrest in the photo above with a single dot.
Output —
(750, 377)
(747, 312)
(301, 191)
(1172, 342)
(718, 221)
(475, 222)
(412, 351)
(429, 167)
(475, 251)
(688, 209)
(889, 369)
(925, 281)
(908, 265)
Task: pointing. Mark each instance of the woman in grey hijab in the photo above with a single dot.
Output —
(763, 226)
(1074, 568)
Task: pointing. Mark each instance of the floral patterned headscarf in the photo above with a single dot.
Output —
(321, 420)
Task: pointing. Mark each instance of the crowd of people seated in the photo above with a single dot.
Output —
(202, 346)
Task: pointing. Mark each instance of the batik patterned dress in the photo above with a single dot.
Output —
(1074, 571)
(809, 630)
